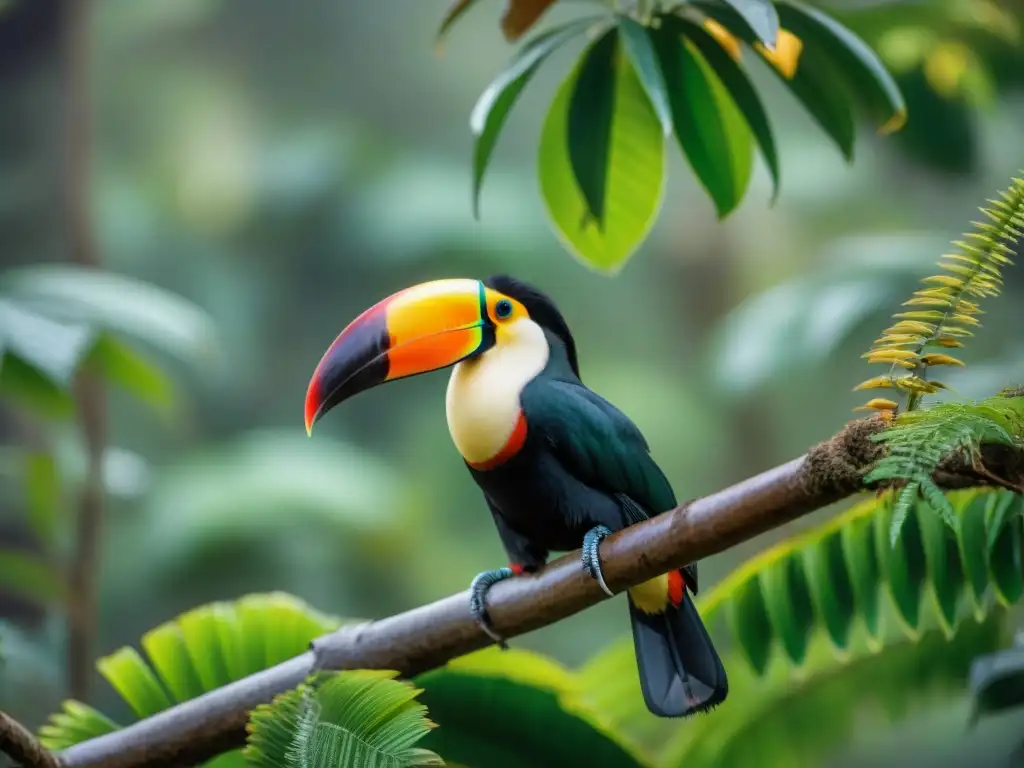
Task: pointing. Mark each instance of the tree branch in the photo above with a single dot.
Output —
(18, 743)
(427, 637)
(91, 398)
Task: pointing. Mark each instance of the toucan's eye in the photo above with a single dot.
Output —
(503, 309)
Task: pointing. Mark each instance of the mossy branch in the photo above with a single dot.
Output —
(920, 442)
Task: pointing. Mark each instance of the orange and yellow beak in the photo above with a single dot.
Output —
(420, 329)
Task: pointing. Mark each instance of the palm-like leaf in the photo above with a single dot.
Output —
(342, 720)
(505, 709)
(494, 709)
(202, 649)
(826, 610)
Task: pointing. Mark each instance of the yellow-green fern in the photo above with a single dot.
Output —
(944, 311)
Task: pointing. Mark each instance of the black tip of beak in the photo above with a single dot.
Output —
(356, 361)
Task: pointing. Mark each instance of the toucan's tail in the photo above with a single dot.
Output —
(680, 671)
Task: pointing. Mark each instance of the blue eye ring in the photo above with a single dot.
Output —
(503, 309)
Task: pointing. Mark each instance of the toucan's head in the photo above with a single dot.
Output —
(431, 326)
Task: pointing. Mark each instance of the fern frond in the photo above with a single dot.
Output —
(945, 309)
(919, 441)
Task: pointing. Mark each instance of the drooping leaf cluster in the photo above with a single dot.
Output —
(646, 76)
(944, 311)
(918, 442)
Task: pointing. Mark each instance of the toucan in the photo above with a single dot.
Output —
(559, 466)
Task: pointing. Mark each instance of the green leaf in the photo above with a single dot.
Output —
(748, 617)
(505, 709)
(973, 545)
(1006, 529)
(134, 681)
(737, 84)
(902, 564)
(634, 181)
(26, 576)
(788, 602)
(42, 494)
(861, 562)
(119, 363)
(96, 298)
(760, 16)
(496, 102)
(856, 63)
(351, 718)
(831, 587)
(591, 110)
(710, 131)
(942, 557)
(75, 723)
(187, 657)
(636, 40)
(817, 82)
(25, 384)
(817, 85)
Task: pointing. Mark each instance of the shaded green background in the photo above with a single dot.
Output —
(286, 165)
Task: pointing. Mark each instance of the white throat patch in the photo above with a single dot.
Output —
(482, 401)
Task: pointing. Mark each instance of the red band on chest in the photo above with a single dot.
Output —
(512, 446)
(517, 569)
(676, 588)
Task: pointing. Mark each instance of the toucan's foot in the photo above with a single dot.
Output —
(478, 589)
(592, 559)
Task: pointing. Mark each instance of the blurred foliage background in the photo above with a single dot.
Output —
(278, 168)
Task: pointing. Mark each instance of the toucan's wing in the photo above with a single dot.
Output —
(601, 447)
(597, 443)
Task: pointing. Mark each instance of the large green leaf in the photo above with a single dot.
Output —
(493, 708)
(737, 84)
(633, 183)
(200, 650)
(99, 299)
(712, 133)
(496, 102)
(837, 563)
(776, 720)
(591, 112)
(817, 82)
(505, 709)
(639, 46)
(342, 719)
(120, 364)
(864, 73)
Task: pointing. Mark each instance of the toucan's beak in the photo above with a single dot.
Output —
(429, 326)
